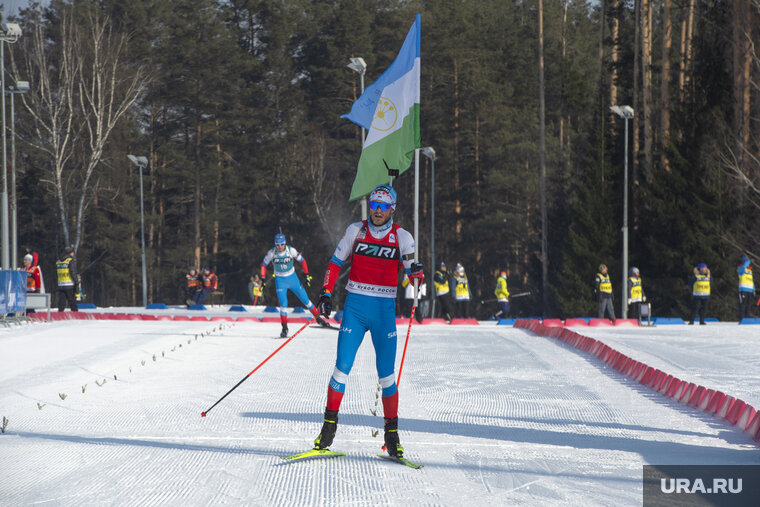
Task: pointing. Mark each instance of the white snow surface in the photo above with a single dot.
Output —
(497, 415)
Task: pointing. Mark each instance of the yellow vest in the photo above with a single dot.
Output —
(746, 281)
(64, 274)
(636, 291)
(701, 286)
(442, 288)
(257, 290)
(461, 290)
(604, 285)
(501, 289)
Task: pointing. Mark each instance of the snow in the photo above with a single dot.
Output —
(498, 416)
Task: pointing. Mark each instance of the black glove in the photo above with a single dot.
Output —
(416, 273)
(308, 280)
(325, 303)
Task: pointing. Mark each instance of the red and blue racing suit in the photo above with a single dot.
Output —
(377, 254)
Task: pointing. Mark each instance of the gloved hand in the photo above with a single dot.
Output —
(308, 279)
(263, 283)
(643, 299)
(629, 301)
(325, 303)
(416, 273)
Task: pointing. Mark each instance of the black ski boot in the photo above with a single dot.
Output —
(392, 443)
(284, 332)
(321, 321)
(326, 436)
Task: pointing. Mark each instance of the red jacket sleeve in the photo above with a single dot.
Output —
(331, 277)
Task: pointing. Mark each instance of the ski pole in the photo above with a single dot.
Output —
(203, 414)
(408, 331)
(511, 296)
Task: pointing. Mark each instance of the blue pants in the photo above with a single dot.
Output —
(378, 316)
(201, 295)
(283, 284)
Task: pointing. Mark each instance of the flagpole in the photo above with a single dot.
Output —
(416, 203)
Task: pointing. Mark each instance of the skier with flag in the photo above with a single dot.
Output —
(390, 110)
(377, 248)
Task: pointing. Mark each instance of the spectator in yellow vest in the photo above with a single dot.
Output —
(502, 295)
(442, 294)
(746, 287)
(256, 289)
(66, 270)
(701, 284)
(636, 294)
(461, 293)
(603, 291)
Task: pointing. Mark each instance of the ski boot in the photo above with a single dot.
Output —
(392, 443)
(326, 436)
(284, 332)
(321, 321)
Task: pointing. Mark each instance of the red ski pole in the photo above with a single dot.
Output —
(408, 331)
(203, 414)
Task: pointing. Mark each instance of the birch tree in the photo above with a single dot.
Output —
(82, 86)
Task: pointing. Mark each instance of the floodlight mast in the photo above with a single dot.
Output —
(10, 33)
(141, 163)
(625, 112)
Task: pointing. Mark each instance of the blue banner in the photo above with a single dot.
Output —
(12, 291)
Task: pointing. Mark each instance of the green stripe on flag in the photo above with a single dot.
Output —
(397, 149)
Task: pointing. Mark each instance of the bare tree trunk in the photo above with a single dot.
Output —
(646, 64)
(687, 34)
(600, 83)
(478, 203)
(459, 224)
(636, 140)
(667, 42)
(215, 248)
(741, 78)
(562, 117)
(542, 158)
(197, 209)
(614, 54)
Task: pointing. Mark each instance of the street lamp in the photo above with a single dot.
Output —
(142, 162)
(10, 33)
(625, 112)
(357, 64)
(21, 87)
(429, 152)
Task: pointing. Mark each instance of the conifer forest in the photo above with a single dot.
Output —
(236, 104)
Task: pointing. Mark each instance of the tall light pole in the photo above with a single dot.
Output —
(142, 162)
(10, 33)
(625, 112)
(21, 87)
(357, 64)
(429, 152)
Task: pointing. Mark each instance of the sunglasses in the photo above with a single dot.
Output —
(384, 206)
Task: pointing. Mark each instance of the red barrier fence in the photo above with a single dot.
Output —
(732, 410)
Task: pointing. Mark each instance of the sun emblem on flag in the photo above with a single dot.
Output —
(385, 115)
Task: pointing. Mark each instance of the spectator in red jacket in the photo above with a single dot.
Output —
(210, 284)
(34, 280)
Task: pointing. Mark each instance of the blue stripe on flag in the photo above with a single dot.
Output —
(363, 110)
